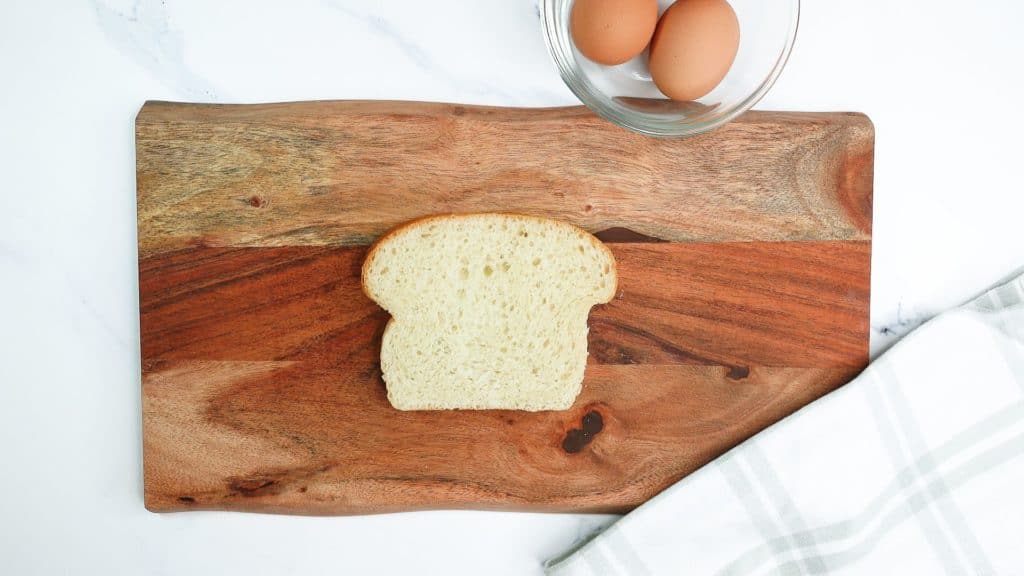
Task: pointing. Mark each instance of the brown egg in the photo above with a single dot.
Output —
(694, 47)
(612, 31)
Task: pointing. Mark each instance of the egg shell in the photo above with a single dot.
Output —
(693, 47)
(612, 31)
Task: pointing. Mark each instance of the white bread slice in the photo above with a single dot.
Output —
(488, 310)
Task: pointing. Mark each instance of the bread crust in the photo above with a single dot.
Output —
(416, 222)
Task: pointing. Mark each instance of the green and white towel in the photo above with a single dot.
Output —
(915, 467)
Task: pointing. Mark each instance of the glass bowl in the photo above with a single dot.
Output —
(625, 94)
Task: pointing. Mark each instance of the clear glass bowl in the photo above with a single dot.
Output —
(625, 94)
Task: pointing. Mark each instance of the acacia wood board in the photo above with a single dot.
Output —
(744, 286)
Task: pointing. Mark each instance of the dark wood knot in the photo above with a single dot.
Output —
(619, 234)
(577, 438)
(738, 372)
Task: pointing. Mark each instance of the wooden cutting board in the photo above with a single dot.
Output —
(744, 259)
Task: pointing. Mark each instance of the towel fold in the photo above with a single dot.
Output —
(914, 467)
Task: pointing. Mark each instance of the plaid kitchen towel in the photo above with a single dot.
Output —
(915, 467)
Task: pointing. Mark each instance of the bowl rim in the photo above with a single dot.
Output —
(582, 91)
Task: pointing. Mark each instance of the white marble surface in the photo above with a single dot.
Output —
(941, 81)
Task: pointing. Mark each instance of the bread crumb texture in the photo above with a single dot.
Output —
(489, 311)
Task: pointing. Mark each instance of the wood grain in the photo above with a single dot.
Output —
(744, 259)
(799, 304)
(328, 173)
(281, 437)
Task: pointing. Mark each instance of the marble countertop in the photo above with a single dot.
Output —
(940, 85)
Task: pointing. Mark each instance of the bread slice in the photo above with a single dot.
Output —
(488, 310)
